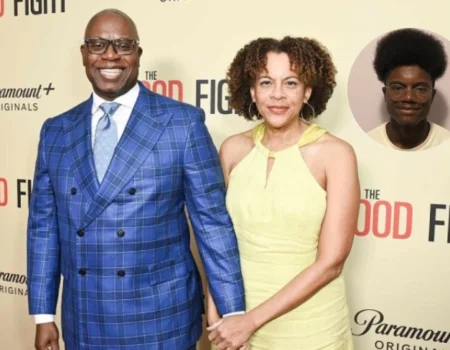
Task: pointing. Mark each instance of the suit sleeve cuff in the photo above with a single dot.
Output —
(234, 313)
(44, 318)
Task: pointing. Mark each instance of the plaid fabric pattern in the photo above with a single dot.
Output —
(122, 246)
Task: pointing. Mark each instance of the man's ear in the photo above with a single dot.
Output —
(84, 54)
(433, 94)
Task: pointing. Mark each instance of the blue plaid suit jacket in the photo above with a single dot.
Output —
(122, 246)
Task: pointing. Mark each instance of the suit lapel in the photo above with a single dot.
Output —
(146, 123)
(79, 146)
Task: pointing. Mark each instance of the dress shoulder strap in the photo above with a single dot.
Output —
(311, 134)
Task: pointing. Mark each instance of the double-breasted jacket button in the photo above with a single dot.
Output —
(120, 233)
(121, 273)
(73, 191)
(80, 233)
(82, 271)
(132, 191)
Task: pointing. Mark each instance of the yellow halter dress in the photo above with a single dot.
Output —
(277, 218)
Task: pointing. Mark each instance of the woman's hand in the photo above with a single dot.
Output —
(233, 332)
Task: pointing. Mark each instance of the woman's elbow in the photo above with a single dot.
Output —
(332, 269)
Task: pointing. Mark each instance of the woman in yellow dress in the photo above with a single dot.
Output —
(293, 195)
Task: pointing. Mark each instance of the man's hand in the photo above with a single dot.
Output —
(212, 315)
(232, 332)
(47, 336)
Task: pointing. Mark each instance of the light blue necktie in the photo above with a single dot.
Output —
(105, 139)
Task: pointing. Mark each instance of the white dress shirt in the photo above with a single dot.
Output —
(120, 117)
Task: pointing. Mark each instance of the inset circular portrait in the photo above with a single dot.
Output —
(399, 87)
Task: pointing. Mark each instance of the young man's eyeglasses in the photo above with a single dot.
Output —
(396, 92)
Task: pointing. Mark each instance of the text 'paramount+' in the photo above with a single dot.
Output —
(371, 321)
(16, 95)
(9, 278)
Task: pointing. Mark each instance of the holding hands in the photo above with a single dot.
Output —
(232, 333)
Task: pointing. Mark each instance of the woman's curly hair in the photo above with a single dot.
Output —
(409, 47)
(309, 59)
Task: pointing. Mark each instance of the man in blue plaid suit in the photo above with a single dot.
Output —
(115, 227)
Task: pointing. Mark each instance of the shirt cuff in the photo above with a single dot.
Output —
(234, 313)
(44, 318)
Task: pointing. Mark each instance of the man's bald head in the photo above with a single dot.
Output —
(109, 13)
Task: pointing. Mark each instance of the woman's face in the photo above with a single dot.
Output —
(408, 95)
(278, 93)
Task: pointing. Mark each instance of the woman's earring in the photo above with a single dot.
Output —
(312, 109)
(250, 111)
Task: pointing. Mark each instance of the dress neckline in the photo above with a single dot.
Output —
(311, 134)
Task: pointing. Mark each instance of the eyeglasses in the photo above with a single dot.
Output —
(99, 46)
(420, 93)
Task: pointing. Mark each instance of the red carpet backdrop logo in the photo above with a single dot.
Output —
(398, 336)
(24, 98)
(3, 192)
(168, 88)
(38, 7)
(21, 192)
(394, 219)
(13, 284)
(385, 218)
(212, 95)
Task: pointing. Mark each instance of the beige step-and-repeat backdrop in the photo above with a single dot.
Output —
(398, 274)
